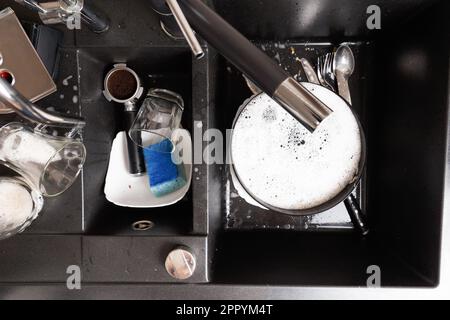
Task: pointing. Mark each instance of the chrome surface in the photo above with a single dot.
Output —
(130, 103)
(168, 32)
(309, 71)
(325, 71)
(13, 100)
(358, 217)
(302, 105)
(185, 28)
(343, 66)
(20, 59)
(181, 263)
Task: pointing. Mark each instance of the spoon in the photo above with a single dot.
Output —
(343, 66)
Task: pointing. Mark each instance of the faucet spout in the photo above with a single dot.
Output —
(12, 99)
(255, 64)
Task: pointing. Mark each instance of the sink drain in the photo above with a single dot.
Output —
(143, 225)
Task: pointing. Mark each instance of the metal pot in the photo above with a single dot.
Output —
(341, 196)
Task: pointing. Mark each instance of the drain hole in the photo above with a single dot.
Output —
(143, 225)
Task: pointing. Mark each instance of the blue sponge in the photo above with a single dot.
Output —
(164, 175)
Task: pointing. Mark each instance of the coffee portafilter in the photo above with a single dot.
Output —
(122, 85)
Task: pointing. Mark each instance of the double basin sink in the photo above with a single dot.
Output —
(399, 91)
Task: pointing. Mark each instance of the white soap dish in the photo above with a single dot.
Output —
(126, 190)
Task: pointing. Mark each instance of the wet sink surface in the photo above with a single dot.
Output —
(402, 191)
(165, 68)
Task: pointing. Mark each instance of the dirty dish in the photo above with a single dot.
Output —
(125, 190)
(288, 169)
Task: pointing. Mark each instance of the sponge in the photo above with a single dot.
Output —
(164, 175)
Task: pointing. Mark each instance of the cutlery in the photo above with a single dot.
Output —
(309, 71)
(340, 66)
(343, 67)
(325, 71)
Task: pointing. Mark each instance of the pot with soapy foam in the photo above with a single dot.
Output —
(312, 186)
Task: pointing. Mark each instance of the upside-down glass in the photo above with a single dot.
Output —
(50, 163)
(157, 119)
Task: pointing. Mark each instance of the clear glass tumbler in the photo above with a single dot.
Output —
(20, 205)
(157, 119)
(50, 163)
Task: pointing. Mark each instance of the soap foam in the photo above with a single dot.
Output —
(16, 206)
(281, 163)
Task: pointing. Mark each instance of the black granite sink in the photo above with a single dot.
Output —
(400, 92)
(168, 68)
(401, 88)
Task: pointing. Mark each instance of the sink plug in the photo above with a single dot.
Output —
(181, 263)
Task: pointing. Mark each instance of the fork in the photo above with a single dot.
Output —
(327, 78)
(325, 71)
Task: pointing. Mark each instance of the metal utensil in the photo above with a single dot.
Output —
(186, 29)
(325, 71)
(329, 75)
(321, 71)
(330, 99)
(309, 71)
(251, 85)
(343, 66)
(326, 68)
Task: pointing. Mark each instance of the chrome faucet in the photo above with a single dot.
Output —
(12, 99)
(254, 63)
(68, 12)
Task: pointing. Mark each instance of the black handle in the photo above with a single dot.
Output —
(254, 63)
(135, 153)
(356, 215)
(94, 19)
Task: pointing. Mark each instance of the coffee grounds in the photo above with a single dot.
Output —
(122, 84)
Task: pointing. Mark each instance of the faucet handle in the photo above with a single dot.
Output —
(185, 28)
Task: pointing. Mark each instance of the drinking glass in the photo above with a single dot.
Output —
(50, 163)
(157, 119)
(21, 204)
